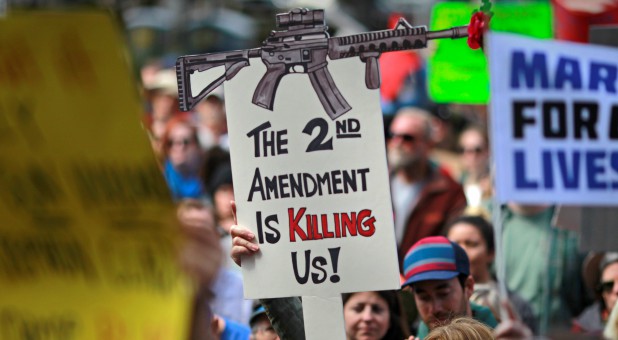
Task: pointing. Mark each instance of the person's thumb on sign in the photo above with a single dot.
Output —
(241, 240)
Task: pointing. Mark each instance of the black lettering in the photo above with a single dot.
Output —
(318, 143)
(271, 187)
(519, 119)
(297, 185)
(255, 133)
(256, 185)
(269, 143)
(554, 120)
(258, 220)
(28, 258)
(362, 173)
(336, 180)
(307, 178)
(318, 263)
(282, 142)
(341, 127)
(586, 116)
(274, 236)
(283, 184)
(613, 123)
(349, 180)
(324, 180)
(301, 279)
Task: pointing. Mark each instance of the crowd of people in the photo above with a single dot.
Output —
(442, 202)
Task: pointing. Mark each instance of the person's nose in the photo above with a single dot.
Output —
(436, 307)
(367, 314)
(394, 141)
(615, 287)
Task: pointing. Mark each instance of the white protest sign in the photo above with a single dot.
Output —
(323, 317)
(315, 191)
(554, 121)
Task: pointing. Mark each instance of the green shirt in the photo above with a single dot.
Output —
(542, 264)
(479, 313)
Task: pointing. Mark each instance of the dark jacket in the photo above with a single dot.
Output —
(441, 200)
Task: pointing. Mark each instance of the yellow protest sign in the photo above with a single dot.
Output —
(87, 246)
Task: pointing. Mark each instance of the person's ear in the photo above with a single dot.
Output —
(469, 286)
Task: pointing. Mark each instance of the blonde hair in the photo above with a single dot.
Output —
(611, 328)
(463, 328)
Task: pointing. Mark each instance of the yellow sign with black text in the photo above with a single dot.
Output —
(87, 226)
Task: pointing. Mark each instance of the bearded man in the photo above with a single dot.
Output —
(425, 197)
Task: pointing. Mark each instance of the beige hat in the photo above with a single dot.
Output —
(164, 82)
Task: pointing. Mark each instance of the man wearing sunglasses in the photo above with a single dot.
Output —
(601, 275)
(425, 197)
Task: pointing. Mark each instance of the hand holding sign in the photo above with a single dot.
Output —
(313, 206)
(241, 240)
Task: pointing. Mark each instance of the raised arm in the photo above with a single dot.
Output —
(285, 314)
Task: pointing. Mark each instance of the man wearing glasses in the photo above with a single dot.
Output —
(425, 197)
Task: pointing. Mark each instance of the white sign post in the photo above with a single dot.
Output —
(554, 121)
(315, 192)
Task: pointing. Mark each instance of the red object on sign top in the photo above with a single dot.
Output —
(479, 23)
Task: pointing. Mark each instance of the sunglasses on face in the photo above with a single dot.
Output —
(404, 136)
(476, 150)
(606, 287)
(179, 142)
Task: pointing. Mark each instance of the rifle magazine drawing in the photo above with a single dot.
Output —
(303, 45)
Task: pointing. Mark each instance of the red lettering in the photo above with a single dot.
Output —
(317, 228)
(294, 227)
(325, 232)
(309, 229)
(348, 223)
(366, 220)
(337, 225)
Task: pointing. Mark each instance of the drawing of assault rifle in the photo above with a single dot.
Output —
(301, 46)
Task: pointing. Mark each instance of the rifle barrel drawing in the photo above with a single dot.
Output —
(303, 43)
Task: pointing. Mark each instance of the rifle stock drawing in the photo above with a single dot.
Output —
(301, 46)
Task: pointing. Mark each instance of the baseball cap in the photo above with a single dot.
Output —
(434, 258)
(258, 310)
